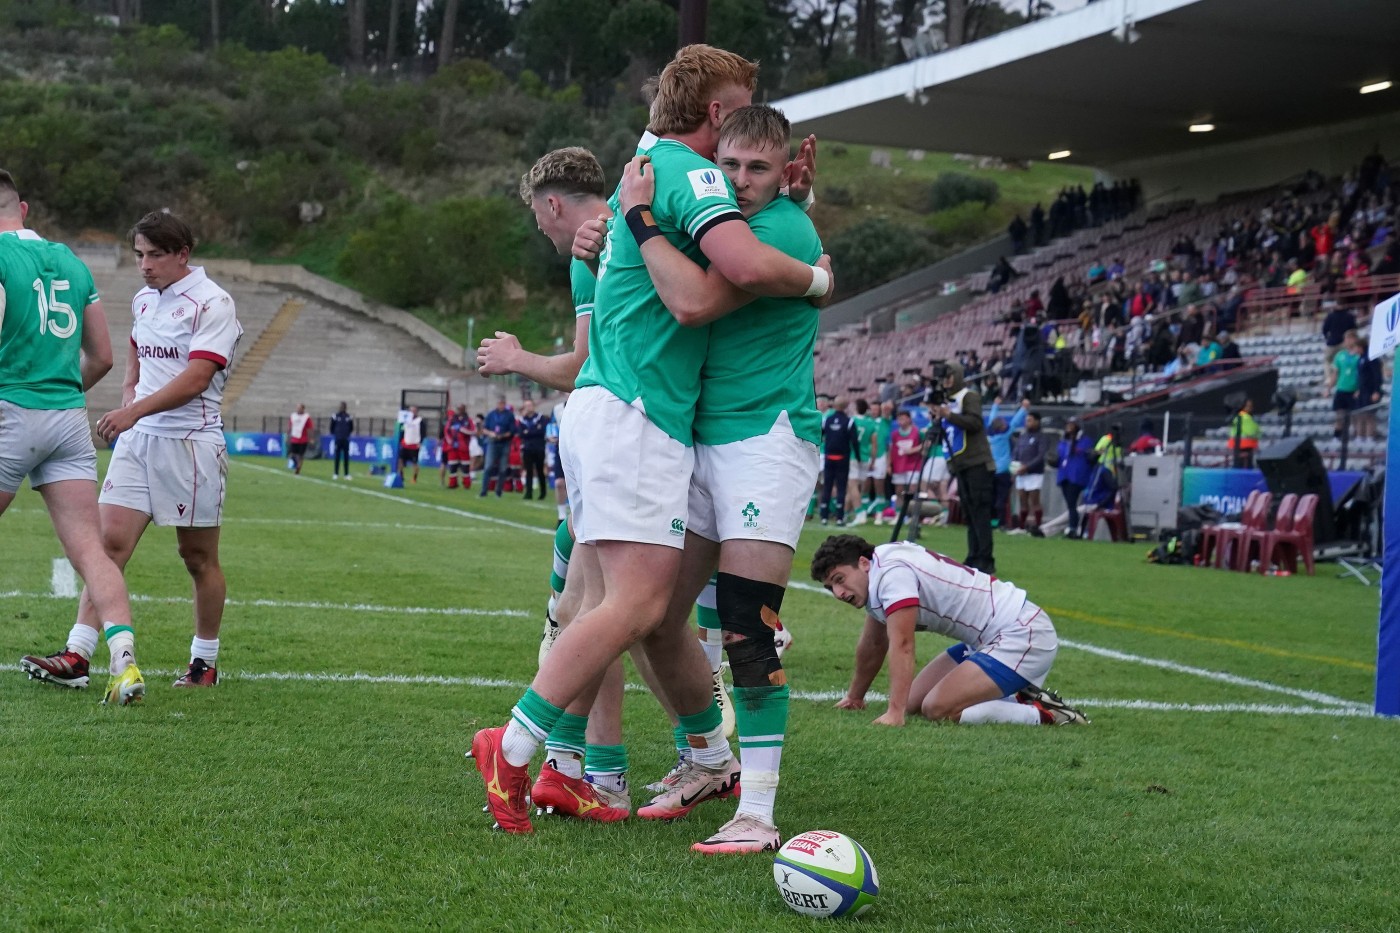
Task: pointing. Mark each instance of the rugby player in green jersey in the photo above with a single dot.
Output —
(627, 445)
(54, 346)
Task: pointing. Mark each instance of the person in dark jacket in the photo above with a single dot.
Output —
(532, 427)
(1074, 458)
(342, 427)
(498, 430)
(1029, 467)
(971, 463)
(838, 440)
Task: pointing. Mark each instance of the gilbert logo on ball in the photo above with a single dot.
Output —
(826, 874)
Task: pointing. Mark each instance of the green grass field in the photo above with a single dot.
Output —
(1231, 778)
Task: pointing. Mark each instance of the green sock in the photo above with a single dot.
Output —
(760, 715)
(682, 743)
(563, 550)
(536, 714)
(606, 759)
(565, 745)
(708, 727)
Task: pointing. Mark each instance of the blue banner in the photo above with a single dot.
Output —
(1226, 489)
(254, 443)
(364, 449)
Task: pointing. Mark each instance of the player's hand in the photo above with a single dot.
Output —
(114, 423)
(821, 301)
(588, 239)
(850, 702)
(802, 171)
(638, 184)
(493, 357)
(891, 718)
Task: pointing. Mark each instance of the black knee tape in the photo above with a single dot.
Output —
(740, 602)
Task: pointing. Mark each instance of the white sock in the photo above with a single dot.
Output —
(715, 752)
(121, 646)
(82, 639)
(617, 783)
(712, 643)
(997, 711)
(566, 764)
(759, 780)
(206, 649)
(518, 743)
(563, 511)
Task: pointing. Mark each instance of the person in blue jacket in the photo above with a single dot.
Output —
(1074, 458)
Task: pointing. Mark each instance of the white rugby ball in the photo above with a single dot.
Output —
(825, 874)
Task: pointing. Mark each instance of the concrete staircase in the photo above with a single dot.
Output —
(251, 363)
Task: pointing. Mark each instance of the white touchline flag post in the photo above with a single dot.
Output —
(1385, 331)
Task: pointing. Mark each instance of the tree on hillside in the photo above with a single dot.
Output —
(356, 10)
(447, 38)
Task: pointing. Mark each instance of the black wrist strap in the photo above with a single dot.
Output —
(642, 224)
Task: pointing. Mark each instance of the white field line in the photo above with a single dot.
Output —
(295, 604)
(326, 523)
(1219, 676)
(813, 696)
(63, 582)
(399, 499)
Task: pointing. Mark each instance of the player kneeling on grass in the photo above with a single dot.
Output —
(1006, 643)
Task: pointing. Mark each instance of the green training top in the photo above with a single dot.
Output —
(636, 350)
(759, 362)
(44, 289)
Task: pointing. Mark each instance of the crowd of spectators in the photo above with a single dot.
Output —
(1074, 209)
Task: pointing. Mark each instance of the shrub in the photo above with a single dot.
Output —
(875, 251)
(950, 189)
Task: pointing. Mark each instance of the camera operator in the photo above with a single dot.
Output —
(970, 461)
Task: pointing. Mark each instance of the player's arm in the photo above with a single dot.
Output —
(870, 657)
(133, 373)
(899, 630)
(96, 345)
(738, 255)
(187, 386)
(502, 355)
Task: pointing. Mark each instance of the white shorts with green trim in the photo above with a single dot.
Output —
(756, 489)
(627, 479)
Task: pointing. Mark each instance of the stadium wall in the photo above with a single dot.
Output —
(1257, 163)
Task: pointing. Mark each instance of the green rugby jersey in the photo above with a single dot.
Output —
(636, 350)
(582, 286)
(865, 427)
(44, 289)
(883, 426)
(759, 361)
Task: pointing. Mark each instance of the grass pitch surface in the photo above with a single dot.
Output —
(1231, 778)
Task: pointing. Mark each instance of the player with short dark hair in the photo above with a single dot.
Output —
(54, 346)
(1006, 644)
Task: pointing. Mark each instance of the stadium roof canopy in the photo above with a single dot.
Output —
(1253, 68)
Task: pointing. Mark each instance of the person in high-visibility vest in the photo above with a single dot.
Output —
(1244, 436)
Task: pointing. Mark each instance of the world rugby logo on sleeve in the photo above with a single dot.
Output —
(707, 183)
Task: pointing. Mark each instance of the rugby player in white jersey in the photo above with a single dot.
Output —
(170, 464)
(1006, 644)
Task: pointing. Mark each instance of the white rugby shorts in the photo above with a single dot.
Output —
(880, 468)
(179, 482)
(1030, 482)
(756, 489)
(906, 479)
(858, 471)
(935, 470)
(1027, 646)
(46, 445)
(627, 479)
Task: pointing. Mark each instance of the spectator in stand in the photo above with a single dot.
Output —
(1389, 263)
(1370, 380)
(1229, 349)
(1297, 276)
(1142, 301)
(531, 428)
(1160, 348)
(1335, 326)
(1059, 307)
(999, 434)
(1038, 225)
(1029, 467)
(299, 432)
(1097, 272)
(1017, 230)
(342, 428)
(1209, 353)
(1074, 460)
(1002, 274)
(1116, 270)
(1034, 306)
(1193, 328)
(1147, 441)
(498, 430)
(1244, 436)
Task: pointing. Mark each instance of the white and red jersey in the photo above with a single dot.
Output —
(953, 599)
(300, 425)
(192, 319)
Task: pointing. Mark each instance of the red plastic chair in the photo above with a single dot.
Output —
(1211, 534)
(1286, 546)
(1113, 517)
(1252, 546)
(1232, 538)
